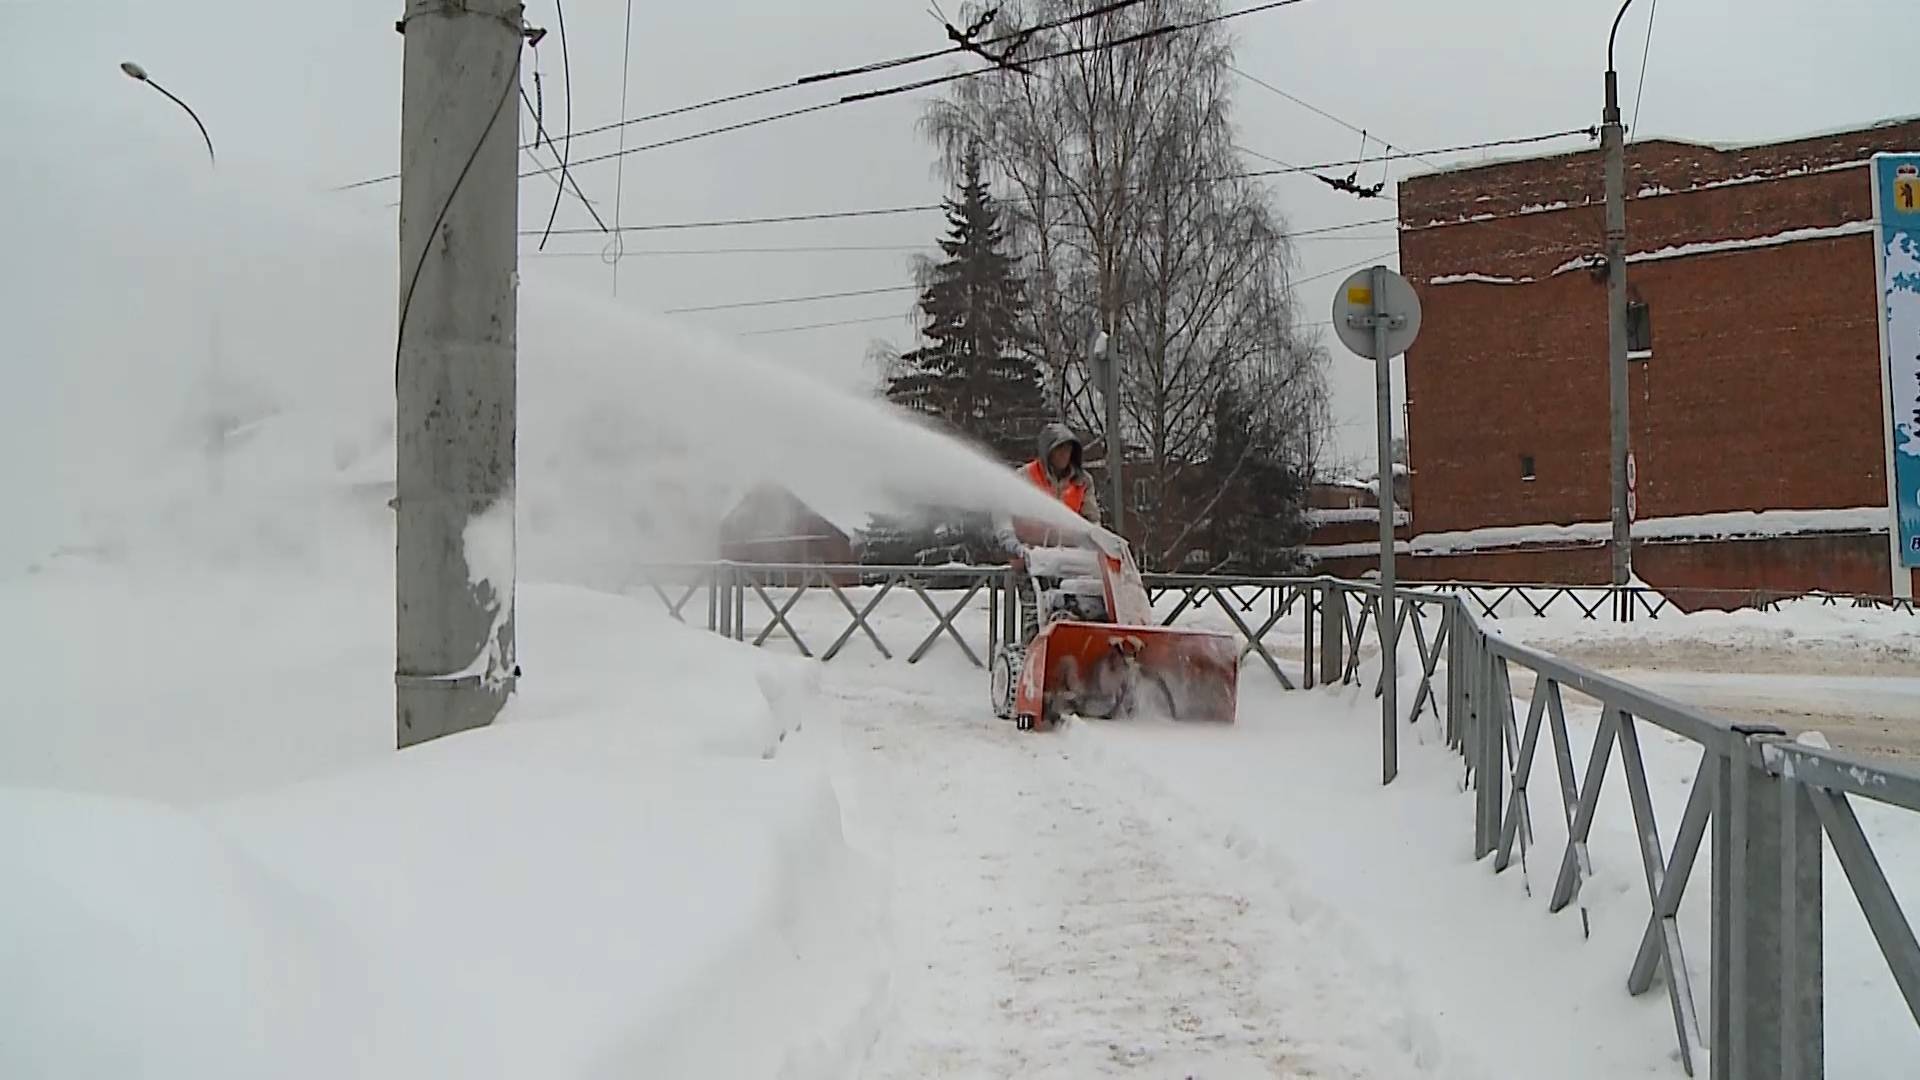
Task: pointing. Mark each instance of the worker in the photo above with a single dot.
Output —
(1059, 469)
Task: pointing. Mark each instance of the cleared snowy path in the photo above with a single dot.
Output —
(1053, 920)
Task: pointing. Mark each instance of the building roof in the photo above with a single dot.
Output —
(1497, 161)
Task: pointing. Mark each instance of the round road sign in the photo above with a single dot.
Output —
(1353, 309)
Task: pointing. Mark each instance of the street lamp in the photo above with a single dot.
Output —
(139, 74)
(216, 435)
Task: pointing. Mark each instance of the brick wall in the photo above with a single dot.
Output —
(1763, 391)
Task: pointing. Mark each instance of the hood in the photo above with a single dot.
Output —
(1053, 436)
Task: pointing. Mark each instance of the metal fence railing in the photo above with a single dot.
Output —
(822, 610)
(1604, 602)
(1770, 805)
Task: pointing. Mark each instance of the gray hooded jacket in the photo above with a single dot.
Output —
(1051, 438)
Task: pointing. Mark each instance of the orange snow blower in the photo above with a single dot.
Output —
(1098, 652)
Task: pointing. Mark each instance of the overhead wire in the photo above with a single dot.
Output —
(805, 249)
(1321, 234)
(508, 85)
(922, 208)
(1640, 92)
(566, 139)
(1139, 37)
(565, 179)
(823, 325)
(833, 75)
(1398, 152)
(617, 247)
(782, 301)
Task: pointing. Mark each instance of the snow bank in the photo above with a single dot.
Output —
(1836, 629)
(195, 687)
(498, 904)
(639, 868)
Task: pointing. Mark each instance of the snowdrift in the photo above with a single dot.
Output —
(641, 866)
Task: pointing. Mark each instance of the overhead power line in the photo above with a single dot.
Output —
(1334, 233)
(1391, 155)
(1393, 150)
(1140, 37)
(566, 140)
(785, 300)
(788, 300)
(834, 75)
(803, 249)
(896, 317)
(1640, 92)
(777, 219)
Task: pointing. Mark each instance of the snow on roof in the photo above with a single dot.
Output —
(1353, 515)
(1708, 247)
(1496, 160)
(1731, 525)
(1809, 136)
(1674, 251)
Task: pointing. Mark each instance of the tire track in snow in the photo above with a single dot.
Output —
(1049, 923)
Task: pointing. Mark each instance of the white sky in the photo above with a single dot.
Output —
(313, 89)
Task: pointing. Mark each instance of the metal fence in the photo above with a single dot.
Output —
(758, 603)
(1598, 602)
(1769, 803)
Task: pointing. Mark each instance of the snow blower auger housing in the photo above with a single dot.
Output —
(1099, 654)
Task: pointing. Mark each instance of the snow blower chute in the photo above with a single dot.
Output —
(1098, 652)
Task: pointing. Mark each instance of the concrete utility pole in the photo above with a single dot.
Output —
(455, 366)
(1613, 145)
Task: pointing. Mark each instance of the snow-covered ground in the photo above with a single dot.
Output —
(679, 849)
(224, 870)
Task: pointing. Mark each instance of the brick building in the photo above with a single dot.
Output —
(1755, 415)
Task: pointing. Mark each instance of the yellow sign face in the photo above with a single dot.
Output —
(1360, 295)
(1906, 194)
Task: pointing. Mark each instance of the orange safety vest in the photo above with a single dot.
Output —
(1073, 494)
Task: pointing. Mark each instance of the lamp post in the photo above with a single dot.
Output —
(216, 437)
(139, 74)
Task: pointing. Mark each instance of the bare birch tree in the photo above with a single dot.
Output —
(1118, 169)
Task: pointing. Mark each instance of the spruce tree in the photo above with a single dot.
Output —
(972, 375)
(1259, 521)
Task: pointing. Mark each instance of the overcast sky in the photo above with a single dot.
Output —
(313, 89)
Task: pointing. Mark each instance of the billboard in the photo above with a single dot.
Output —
(1896, 212)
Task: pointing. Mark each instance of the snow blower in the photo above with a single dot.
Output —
(1098, 652)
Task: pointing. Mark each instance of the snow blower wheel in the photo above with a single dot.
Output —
(1004, 675)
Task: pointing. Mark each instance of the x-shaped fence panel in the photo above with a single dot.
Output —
(1766, 802)
(1236, 599)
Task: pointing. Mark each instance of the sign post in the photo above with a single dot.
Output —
(1377, 315)
(1896, 260)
